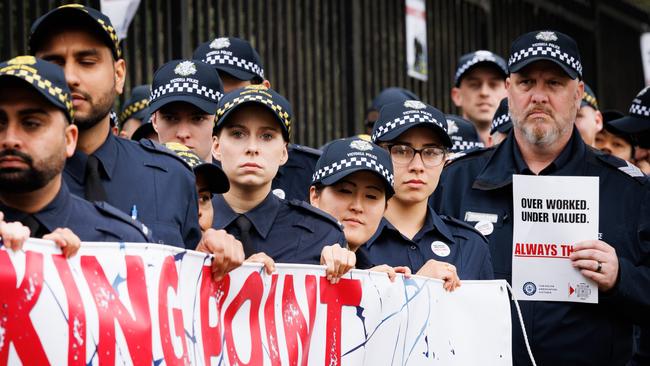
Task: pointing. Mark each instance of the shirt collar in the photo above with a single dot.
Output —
(107, 154)
(261, 216)
(52, 216)
(432, 222)
(507, 160)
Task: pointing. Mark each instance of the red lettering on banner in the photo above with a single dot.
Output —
(16, 304)
(137, 330)
(345, 293)
(169, 279)
(76, 313)
(269, 321)
(295, 328)
(252, 291)
(211, 335)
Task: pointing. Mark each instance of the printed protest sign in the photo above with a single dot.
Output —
(551, 215)
(141, 304)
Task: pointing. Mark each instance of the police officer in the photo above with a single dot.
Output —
(544, 94)
(501, 123)
(637, 123)
(36, 137)
(615, 142)
(183, 102)
(210, 180)
(134, 111)
(104, 167)
(252, 131)
(589, 120)
(412, 234)
(238, 65)
(478, 88)
(463, 135)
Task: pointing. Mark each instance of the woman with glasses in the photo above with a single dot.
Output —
(411, 233)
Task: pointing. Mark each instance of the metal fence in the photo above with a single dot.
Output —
(330, 57)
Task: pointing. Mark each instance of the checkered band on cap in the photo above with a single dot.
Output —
(355, 161)
(32, 77)
(533, 51)
(284, 115)
(476, 59)
(185, 87)
(466, 145)
(640, 110)
(216, 58)
(504, 118)
(133, 109)
(410, 118)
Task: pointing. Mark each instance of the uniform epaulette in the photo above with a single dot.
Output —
(114, 213)
(307, 150)
(462, 224)
(306, 207)
(160, 149)
(622, 165)
(473, 152)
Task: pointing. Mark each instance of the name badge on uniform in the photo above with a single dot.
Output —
(481, 216)
(440, 249)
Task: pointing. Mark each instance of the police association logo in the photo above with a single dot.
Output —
(415, 104)
(361, 145)
(452, 127)
(220, 43)
(546, 36)
(185, 68)
(529, 288)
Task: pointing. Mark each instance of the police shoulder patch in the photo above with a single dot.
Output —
(461, 224)
(307, 208)
(306, 149)
(114, 213)
(156, 148)
(622, 166)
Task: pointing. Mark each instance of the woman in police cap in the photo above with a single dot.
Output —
(411, 233)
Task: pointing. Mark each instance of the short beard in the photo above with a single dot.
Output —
(31, 179)
(541, 137)
(98, 112)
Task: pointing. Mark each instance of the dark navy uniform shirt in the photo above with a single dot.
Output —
(294, 177)
(89, 221)
(287, 231)
(149, 177)
(440, 238)
(562, 333)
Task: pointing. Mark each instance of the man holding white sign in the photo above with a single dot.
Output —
(545, 89)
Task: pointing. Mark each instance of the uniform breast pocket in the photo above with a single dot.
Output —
(496, 226)
(167, 233)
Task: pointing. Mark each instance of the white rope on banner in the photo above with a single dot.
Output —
(523, 327)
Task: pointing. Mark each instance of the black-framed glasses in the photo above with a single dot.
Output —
(404, 154)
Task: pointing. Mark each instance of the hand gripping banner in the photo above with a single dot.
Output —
(144, 304)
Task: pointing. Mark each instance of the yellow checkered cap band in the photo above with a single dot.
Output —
(133, 109)
(591, 100)
(184, 153)
(283, 115)
(30, 73)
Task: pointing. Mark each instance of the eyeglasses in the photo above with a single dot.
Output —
(404, 154)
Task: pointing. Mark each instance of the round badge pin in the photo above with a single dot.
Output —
(440, 249)
(279, 193)
(484, 227)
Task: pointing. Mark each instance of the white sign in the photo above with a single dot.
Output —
(416, 39)
(147, 304)
(551, 215)
(121, 13)
(645, 56)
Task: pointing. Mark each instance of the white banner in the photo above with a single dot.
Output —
(416, 39)
(141, 304)
(121, 13)
(645, 56)
(551, 214)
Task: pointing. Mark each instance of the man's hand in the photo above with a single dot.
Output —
(442, 271)
(338, 261)
(13, 234)
(261, 257)
(597, 261)
(392, 271)
(228, 252)
(68, 241)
